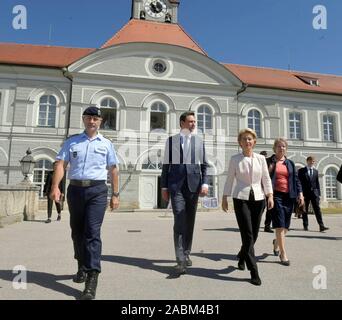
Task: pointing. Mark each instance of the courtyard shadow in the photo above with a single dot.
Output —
(223, 229)
(218, 274)
(43, 279)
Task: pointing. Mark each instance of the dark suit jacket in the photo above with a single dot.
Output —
(175, 170)
(310, 185)
(295, 186)
(339, 175)
(48, 183)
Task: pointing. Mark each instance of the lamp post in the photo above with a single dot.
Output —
(130, 170)
(27, 165)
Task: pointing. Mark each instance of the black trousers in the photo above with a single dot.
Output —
(184, 206)
(49, 204)
(87, 206)
(317, 210)
(248, 215)
(268, 219)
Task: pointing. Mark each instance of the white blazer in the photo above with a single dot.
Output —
(239, 180)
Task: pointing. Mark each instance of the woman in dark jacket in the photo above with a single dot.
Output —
(286, 189)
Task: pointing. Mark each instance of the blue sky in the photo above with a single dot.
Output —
(269, 33)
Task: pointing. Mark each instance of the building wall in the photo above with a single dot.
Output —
(19, 102)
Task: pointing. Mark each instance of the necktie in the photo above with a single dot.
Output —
(186, 148)
(310, 172)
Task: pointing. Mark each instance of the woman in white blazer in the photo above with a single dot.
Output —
(248, 182)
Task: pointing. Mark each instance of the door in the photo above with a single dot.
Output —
(148, 192)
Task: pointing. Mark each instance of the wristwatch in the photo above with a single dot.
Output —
(115, 194)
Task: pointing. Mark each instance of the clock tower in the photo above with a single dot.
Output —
(155, 10)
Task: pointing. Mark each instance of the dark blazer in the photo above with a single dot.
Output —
(339, 176)
(175, 170)
(295, 186)
(310, 185)
(48, 183)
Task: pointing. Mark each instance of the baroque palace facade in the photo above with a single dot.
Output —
(143, 78)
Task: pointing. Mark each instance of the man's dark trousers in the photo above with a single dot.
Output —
(50, 204)
(87, 206)
(315, 206)
(184, 205)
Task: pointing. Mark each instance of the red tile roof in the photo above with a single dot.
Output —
(45, 56)
(283, 79)
(147, 31)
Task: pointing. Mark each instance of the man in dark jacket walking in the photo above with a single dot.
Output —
(308, 177)
(46, 191)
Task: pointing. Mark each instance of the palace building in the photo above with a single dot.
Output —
(143, 78)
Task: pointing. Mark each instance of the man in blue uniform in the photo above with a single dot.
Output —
(91, 158)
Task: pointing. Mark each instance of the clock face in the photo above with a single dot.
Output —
(155, 8)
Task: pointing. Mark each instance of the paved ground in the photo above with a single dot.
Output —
(138, 260)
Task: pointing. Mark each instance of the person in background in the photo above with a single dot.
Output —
(46, 192)
(248, 173)
(308, 177)
(268, 218)
(287, 189)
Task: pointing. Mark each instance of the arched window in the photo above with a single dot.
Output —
(41, 168)
(204, 119)
(108, 110)
(47, 111)
(158, 116)
(254, 121)
(330, 183)
(295, 125)
(328, 128)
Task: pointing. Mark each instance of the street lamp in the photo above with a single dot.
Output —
(130, 167)
(27, 165)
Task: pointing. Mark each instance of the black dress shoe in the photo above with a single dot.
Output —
(80, 276)
(322, 229)
(48, 220)
(255, 279)
(284, 262)
(306, 228)
(59, 217)
(268, 229)
(89, 292)
(180, 268)
(275, 252)
(241, 264)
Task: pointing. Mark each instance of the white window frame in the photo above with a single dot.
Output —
(330, 126)
(254, 119)
(208, 118)
(297, 126)
(47, 111)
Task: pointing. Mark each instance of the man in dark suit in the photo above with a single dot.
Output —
(184, 179)
(308, 177)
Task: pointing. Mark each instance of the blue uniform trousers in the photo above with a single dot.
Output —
(87, 206)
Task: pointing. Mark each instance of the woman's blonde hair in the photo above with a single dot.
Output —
(249, 131)
(277, 140)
